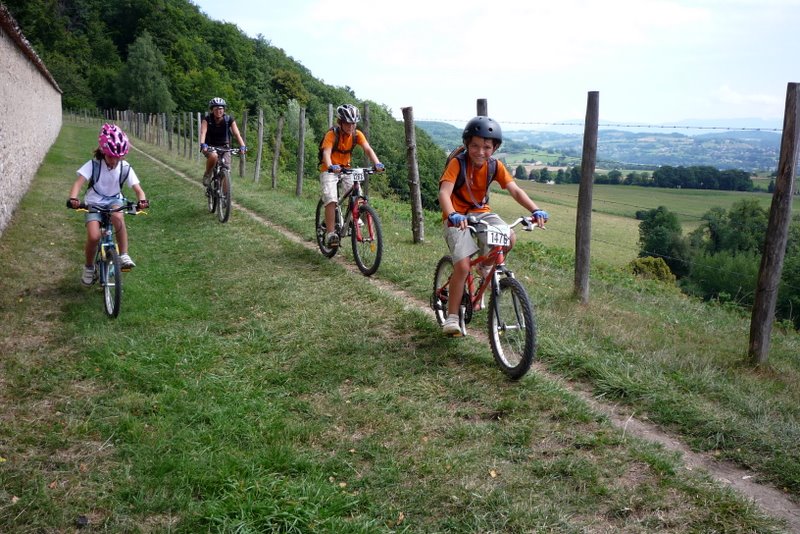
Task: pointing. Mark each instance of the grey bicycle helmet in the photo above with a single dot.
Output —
(348, 113)
(217, 102)
(482, 127)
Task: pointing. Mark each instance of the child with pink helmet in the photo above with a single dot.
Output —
(105, 190)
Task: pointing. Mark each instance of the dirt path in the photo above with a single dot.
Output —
(769, 499)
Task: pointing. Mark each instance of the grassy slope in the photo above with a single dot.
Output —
(251, 384)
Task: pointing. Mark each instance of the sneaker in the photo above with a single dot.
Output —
(451, 326)
(207, 178)
(332, 240)
(126, 262)
(89, 276)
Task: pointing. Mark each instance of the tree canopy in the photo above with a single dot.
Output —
(166, 55)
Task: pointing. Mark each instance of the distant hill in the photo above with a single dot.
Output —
(746, 150)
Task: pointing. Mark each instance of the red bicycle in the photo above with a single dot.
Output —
(511, 322)
(360, 222)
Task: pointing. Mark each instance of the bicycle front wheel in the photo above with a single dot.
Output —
(321, 231)
(211, 196)
(512, 328)
(111, 280)
(367, 240)
(225, 196)
(441, 288)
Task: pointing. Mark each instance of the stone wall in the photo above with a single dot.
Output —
(30, 116)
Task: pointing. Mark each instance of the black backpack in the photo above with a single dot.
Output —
(123, 174)
(335, 148)
(460, 153)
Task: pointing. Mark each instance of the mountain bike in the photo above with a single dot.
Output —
(107, 266)
(360, 222)
(511, 322)
(220, 189)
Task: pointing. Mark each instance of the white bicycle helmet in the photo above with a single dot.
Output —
(217, 102)
(348, 113)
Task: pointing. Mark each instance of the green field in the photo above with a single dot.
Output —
(615, 230)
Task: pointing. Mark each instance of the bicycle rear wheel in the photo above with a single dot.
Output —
(321, 231)
(111, 280)
(512, 328)
(367, 240)
(225, 196)
(441, 288)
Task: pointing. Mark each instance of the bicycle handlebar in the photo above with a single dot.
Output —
(233, 151)
(527, 222)
(351, 170)
(129, 208)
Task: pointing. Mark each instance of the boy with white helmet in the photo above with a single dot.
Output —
(335, 152)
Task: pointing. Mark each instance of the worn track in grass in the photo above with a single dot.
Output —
(770, 499)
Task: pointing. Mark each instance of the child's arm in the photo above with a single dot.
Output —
(525, 201)
(521, 197)
(75, 190)
(139, 192)
(371, 154)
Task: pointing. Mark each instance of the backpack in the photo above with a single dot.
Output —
(460, 153)
(335, 148)
(123, 174)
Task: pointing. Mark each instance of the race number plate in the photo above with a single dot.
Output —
(358, 176)
(497, 239)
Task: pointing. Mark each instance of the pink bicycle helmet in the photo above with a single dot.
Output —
(113, 141)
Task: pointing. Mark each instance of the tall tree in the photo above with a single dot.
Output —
(143, 84)
(660, 236)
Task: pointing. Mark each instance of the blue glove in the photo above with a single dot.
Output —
(379, 167)
(203, 146)
(335, 168)
(243, 149)
(455, 218)
(540, 213)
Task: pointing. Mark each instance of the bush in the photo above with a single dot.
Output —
(652, 268)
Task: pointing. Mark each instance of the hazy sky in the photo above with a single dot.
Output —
(652, 61)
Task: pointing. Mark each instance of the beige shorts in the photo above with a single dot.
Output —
(461, 243)
(328, 182)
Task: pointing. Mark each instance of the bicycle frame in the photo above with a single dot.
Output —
(358, 220)
(219, 189)
(511, 323)
(355, 198)
(107, 263)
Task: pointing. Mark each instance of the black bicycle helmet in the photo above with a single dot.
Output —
(348, 113)
(482, 127)
(217, 102)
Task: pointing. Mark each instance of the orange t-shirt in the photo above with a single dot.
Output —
(346, 142)
(473, 192)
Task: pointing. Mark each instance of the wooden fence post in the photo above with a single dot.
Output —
(197, 152)
(417, 215)
(277, 152)
(301, 152)
(583, 229)
(260, 149)
(780, 216)
(168, 118)
(243, 157)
